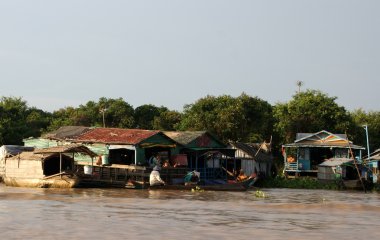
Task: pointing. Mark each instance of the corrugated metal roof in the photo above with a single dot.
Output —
(332, 162)
(251, 149)
(11, 150)
(322, 139)
(66, 132)
(323, 145)
(185, 137)
(116, 136)
(321, 136)
(375, 155)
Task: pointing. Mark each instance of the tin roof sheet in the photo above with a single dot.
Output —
(184, 137)
(66, 132)
(116, 135)
(332, 162)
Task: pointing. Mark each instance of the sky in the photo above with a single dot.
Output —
(55, 54)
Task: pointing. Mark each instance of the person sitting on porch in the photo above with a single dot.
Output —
(166, 164)
(241, 177)
(155, 178)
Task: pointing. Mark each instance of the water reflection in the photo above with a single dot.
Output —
(157, 214)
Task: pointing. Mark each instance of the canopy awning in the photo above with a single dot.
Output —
(72, 148)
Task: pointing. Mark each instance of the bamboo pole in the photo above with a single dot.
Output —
(355, 163)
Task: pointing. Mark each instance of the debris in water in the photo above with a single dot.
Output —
(260, 194)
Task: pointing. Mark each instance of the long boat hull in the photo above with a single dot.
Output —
(237, 187)
(56, 182)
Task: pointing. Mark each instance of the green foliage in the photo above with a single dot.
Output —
(167, 121)
(145, 115)
(244, 118)
(260, 194)
(372, 120)
(18, 121)
(310, 111)
(297, 183)
(117, 113)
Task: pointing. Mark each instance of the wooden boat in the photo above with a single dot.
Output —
(44, 168)
(61, 180)
(234, 187)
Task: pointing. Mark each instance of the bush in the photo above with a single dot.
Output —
(300, 183)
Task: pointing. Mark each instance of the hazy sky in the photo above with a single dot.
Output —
(55, 54)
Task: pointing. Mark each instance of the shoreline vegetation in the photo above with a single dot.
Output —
(244, 119)
(308, 183)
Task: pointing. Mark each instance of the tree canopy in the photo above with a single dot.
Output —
(372, 121)
(18, 121)
(308, 112)
(243, 118)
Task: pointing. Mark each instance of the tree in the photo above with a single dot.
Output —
(372, 120)
(145, 115)
(118, 113)
(68, 116)
(244, 118)
(257, 122)
(167, 121)
(19, 121)
(37, 122)
(310, 111)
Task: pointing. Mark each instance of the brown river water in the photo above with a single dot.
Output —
(162, 214)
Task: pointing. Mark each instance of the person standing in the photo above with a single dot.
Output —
(154, 160)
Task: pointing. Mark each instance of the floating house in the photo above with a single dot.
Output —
(7, 151)
(337, 169)
(49, 167)
(203, 152)
(126, 146)
(309, 150)
(114, 145)
(252, 158)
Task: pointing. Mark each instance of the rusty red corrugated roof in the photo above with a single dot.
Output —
(116, 135)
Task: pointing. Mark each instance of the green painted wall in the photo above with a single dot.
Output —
(39, 143)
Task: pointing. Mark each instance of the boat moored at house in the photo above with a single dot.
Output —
(45, 168)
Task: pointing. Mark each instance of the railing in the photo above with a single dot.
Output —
(292, 166)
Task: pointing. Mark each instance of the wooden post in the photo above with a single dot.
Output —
(60, 163)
